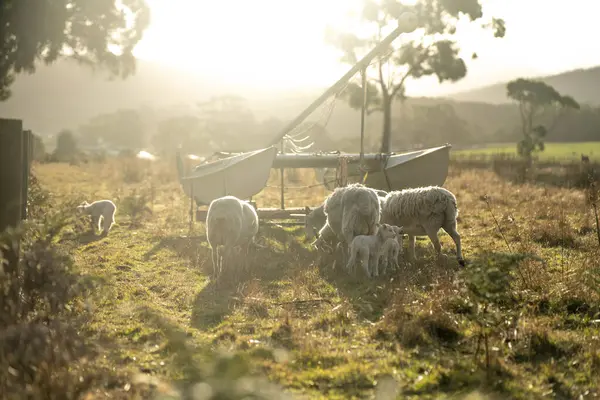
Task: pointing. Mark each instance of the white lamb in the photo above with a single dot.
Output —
(368, 249)
(391, 250)
(230, 222)
(423, 211)
(101, 210)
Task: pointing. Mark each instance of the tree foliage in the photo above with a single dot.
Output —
(66, 146)
(536, 99)
(96, 33)
(122, 129)
(430, 51)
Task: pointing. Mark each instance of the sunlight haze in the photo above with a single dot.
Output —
(278, 44)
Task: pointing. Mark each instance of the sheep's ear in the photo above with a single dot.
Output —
(307, 209)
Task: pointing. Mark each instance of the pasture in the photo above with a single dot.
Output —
(506, 326)
(553, 151)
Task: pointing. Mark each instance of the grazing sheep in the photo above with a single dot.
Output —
(314, 221)
(327, 238)
(368, 248)
(230, 222)
(390, 251)
(99, 210)
(423, 211)
(360, 212)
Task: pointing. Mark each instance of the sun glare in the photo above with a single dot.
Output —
(263, 43)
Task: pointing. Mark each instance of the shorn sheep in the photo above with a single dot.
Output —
(423, 211)
(367, 248)
(230, 222)
(102, 213)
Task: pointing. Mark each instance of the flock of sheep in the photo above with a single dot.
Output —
(367, 225)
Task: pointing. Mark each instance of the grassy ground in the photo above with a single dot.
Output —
(339, 337)
(564, 151)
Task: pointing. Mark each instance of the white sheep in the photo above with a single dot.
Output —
(423, 211)
(360, 212)
(101, 210)
(327, 238)
(368, 249)
(230, 222)
(390, 251)
(314, 220)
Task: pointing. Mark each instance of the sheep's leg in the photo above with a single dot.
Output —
(351, 261)
(411, 248)
(366, 261)
(382, 264)
(395, 255)
(215, 260)
(435, 240)
(451, 230)
(95, 223)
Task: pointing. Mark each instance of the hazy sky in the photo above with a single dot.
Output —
(279, 43)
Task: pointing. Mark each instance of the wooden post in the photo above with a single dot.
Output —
(11, 178)
(282, 170)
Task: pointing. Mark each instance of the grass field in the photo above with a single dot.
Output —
(413, 334)
(559, 151)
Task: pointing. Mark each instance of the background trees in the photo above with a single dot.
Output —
(95, 33)
(429, 51)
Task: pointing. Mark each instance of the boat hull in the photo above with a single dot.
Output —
(242, 176)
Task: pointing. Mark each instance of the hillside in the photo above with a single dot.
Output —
(582, 84)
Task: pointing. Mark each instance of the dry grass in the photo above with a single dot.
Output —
(414, 334)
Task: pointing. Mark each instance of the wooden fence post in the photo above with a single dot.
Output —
(11, 179)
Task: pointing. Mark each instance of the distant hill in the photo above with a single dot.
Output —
(582, 84)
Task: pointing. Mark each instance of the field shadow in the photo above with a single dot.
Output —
(268, 264)
(188, 246)
(369, 297)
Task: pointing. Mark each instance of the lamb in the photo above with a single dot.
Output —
(368, 248)
(423, 211)
(390, 251)
(99, 210)
(230, 222)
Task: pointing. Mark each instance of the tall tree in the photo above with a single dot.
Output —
(536, 99)
(429, 51)
(120, 129)
(97, 33)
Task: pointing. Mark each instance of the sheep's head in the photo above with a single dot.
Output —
(386, 231)
(82, 207)
(398, 230)
(312, 224)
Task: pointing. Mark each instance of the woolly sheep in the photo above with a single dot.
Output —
(101, 210)
(423, 211)
(315, 220)
(230, 222)
(360, 212)
(368, 249)
(326, 239)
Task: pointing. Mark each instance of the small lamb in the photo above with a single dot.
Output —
(99, 210)
(390, 251)
(368, 249)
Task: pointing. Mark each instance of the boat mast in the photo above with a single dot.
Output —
(406, 24)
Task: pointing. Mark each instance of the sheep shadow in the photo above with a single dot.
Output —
(267, 265)
(369, 297)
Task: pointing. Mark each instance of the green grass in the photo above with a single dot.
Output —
(340, 337)
(559, 151)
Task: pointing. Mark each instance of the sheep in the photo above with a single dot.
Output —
(99, 210)
(326, 239)
(360, 212)
(314, 221)
(368, 248)
(391, 250)
(423, 211)
(230, 222)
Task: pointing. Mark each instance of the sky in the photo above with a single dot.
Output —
(279, 44)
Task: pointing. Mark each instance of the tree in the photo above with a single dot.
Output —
(184, 131)
(66, 146)
(536, 99)
(430, 51)
(120, 129)
(96, 33)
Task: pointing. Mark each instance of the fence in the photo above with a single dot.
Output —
(16, 151)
